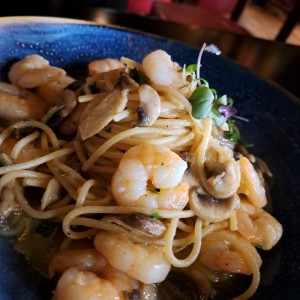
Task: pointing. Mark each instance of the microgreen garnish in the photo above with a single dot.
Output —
(232, 134)
(227, 111)
(206, 103)
(188, 69)
(138, 76)
(201, 101)
(156, 216)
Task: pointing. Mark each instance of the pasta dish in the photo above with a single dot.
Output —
(135, 180)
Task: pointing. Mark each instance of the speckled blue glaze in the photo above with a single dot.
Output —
(273, 128)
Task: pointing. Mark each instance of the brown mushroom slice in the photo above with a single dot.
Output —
(145, 223)
(139, 222)
(212, 209)
(100, 111)
(218, 171)
(64, 105)
(149, 109)
(70, 124)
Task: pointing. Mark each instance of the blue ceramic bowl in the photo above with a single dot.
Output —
(273, 129)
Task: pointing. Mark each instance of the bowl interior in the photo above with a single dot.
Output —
(273, 128)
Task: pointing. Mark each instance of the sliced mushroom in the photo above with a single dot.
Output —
(76, 85)
(70, 124)
(218, 171)
(65, 102)
(64, 105)
(68, 100)
(139, 222)
(145, 223)
(149, 109)
(212, 209)
(126, 82)
(99, 112)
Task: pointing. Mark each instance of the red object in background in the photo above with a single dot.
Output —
(195, 15)
(142, 6)
(225, 7)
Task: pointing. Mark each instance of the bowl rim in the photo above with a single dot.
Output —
(42, 19)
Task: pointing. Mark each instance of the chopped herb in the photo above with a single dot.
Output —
(138, 76)
(155, 191)
(93, 88)
(156, 216)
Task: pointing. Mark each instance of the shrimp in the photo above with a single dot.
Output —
(19, 104)
(161, 70)
(27, 153)
(85, 285)
(145, 263)
(150, 176)
(104, 65)
(250, 184)
(260, 228)
(33, 71)
(50, 91)
(91, 260)
(217, 255)
(83, 259)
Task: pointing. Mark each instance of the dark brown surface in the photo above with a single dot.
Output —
(271, 60)
(193, 15)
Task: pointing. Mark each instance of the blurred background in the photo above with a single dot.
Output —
(260, 18)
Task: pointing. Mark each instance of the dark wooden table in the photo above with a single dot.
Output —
(271, 60)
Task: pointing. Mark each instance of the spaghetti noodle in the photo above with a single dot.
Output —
(155, 172)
